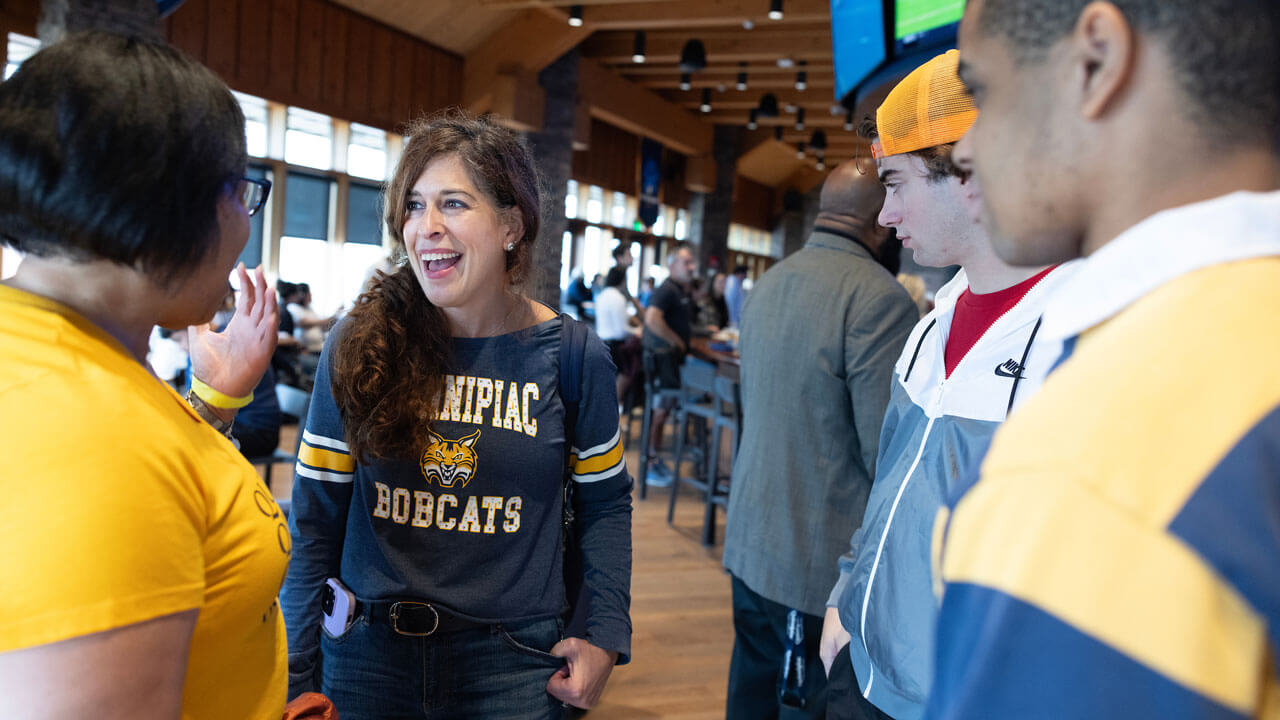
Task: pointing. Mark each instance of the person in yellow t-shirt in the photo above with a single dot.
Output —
(142, 554)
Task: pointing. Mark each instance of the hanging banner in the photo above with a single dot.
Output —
(650, 181)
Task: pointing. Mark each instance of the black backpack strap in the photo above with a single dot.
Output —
(573, 350)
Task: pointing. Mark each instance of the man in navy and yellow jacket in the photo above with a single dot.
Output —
(1118, 554)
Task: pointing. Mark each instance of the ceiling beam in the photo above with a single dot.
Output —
(812, 121)
(754, 69)
(810, 43)
(628, 106)
(520, 48)
(811, 98)
(703, 14)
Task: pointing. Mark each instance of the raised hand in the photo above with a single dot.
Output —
(233, 361)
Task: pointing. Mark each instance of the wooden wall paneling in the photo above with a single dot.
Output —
(421, 81)
(752, 204)
(189, 28)
(220, 40)
(334, 68)
(283, 52)
(254, 35)
(19, 16)
(402, 59)
(359, 36)
(309, 68)
(444, 89)
(381, 72)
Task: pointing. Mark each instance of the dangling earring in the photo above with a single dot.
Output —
(511, 246)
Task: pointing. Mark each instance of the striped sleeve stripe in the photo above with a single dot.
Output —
(601, 448)
(612, 471)
(323, 475)
(326, 459)
(322, 441)
(599, 463)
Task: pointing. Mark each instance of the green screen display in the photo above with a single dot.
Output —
(913, 17)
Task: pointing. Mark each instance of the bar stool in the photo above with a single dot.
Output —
(697, 389)
(728, 408)
(653, 393)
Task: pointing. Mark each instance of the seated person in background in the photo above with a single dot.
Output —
(257, 427)
(285, 361)
(646, 291)
(577, 298)
(309, 328)
(668, 326)
(713, 311)
(613, 325)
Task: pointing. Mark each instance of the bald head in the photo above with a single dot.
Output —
(851, 199)
(852, 191)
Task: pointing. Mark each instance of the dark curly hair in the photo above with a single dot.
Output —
(394, 347)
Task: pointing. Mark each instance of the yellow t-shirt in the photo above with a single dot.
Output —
(120, 505)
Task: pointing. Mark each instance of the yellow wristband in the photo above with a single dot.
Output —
(217, 399)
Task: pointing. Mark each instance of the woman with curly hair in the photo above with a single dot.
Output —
(427, 576)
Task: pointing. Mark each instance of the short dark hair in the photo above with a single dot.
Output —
(1224, 52)
(616, 277)
(622, 249)
(937, 161)
(117, 148)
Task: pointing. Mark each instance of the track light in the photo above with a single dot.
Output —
(775, 10)
(800, 150)
(706, 100)
(848, 119)
(575, 15)
(685, 84)
(742, 76)
(800, 118)
(751, 120)
(802, 76)
(637, 49)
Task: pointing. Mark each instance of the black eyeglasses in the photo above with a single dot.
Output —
(252, 193)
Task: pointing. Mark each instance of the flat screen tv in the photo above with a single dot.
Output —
(857, 41)
(925, 23)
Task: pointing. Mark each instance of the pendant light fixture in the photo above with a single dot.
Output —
(802, 77)
(800, 150)
(848, 120)
(693, 57)
(685, 83)
(751, 120)
(575, 15)
(637, 48)
(799, 118)
(742, 76)
(706, 100)
(768, 105)
(777, 133)
(775, 9)
(818, 140)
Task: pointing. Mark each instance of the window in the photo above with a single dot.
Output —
(21, 47)
(255, 123)
(618, 212)
(308, 139)
(251, 256)
(566, 257)
(364, 225)
(595, 204)
(304, 247)
(367, 152)
(682, 224)
(571, 201)
(592, 247)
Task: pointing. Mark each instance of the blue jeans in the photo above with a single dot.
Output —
(501, 671)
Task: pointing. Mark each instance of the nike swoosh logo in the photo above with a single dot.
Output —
(1009, 369)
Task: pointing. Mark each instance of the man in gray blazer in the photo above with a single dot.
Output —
(820, 333)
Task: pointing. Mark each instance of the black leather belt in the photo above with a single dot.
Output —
(416, 619)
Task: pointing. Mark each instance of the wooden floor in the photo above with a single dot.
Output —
(680, 611)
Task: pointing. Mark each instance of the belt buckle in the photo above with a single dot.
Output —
(395, 617)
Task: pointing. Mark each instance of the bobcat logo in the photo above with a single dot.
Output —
(450, 462)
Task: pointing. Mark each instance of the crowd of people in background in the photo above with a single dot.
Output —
(1055, 495)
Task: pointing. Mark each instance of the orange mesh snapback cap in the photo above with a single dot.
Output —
(928, 108)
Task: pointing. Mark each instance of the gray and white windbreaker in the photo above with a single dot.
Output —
(934, 429)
